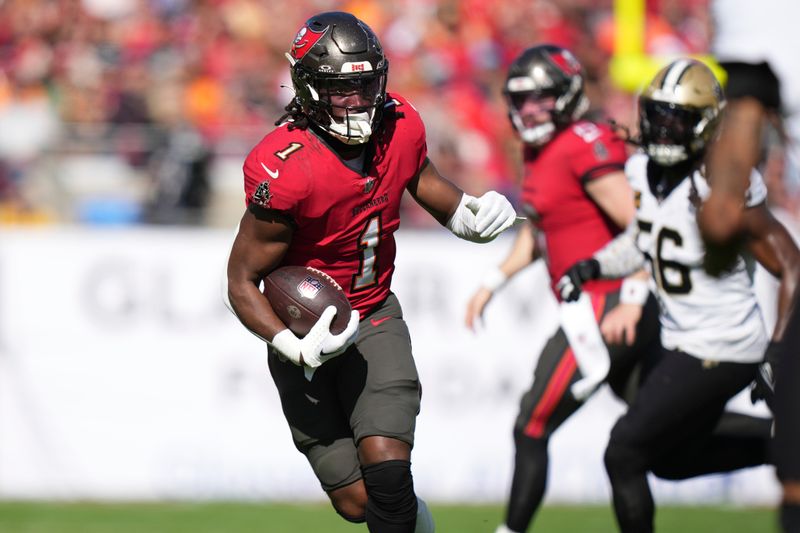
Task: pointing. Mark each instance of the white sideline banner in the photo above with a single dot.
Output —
(123, 376)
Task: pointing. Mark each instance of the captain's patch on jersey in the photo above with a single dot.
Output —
(262, 196)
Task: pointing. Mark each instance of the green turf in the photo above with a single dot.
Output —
(311, 518)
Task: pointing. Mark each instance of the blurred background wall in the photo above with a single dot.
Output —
(141, 111)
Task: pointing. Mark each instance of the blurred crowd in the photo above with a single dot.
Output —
(141, 111)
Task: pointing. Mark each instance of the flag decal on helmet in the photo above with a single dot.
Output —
(566, 62)
(305, 39)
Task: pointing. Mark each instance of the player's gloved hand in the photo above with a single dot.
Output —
(571, 283)
(763, 387)
(319, 345)
(482, 219)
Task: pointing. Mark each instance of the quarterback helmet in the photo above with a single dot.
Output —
(679, 112)
(338, 72)
(545, 72)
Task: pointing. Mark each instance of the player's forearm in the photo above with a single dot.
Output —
(522, 253)
(253, 310)
(730, 161)
(787, 298)
(620, 257)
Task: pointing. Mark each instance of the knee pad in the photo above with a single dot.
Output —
(390, 490)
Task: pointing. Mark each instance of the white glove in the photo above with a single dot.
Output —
(482, 219)
(319, 345)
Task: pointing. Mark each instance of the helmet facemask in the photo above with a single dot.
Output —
(671, 133)
(533, 133)
(348, 107)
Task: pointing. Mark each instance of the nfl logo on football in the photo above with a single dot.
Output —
(309, 287)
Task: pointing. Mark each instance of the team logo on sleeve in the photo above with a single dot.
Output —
(262, 196)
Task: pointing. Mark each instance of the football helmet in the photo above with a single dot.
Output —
(679, 112)
(339, 75)
(542, 72)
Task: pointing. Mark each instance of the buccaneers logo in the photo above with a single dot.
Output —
(566, 62)
(305, 39)
(262, 196)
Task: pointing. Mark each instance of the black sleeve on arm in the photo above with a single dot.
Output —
(756, 80)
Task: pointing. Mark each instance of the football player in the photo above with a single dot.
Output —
(577, 199)
(323, 189)
(756, 43)
(712, 330)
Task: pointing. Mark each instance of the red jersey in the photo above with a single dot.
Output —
(344, 220)
(553, 195)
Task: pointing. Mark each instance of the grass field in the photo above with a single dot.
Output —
(312, 518)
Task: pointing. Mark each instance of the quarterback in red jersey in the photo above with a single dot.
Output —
(323, 190)
(577, 199)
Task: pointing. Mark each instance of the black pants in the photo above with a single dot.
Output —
(669, 430)
(787, 402)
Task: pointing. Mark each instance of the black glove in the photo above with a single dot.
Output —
(763, 387)
(570, 284)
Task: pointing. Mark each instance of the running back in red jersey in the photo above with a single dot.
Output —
(299, 295)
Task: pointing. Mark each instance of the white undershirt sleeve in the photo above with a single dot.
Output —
(620, 257)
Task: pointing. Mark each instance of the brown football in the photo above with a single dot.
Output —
(300, 294)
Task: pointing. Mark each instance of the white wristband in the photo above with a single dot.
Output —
(634, 291)
(493, 279)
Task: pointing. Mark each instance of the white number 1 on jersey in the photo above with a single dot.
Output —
(367, 242)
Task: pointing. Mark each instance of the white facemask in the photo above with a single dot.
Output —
(538, 135)
(355, 129)
(667, 154)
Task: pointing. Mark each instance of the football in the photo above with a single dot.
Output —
(300, 294)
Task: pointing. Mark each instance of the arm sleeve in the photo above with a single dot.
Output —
(620, 257)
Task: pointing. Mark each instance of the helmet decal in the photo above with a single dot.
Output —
(357, 66)
(305, 39)
(566, 62)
